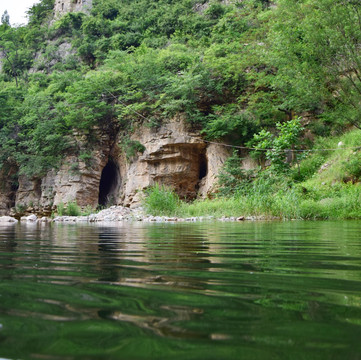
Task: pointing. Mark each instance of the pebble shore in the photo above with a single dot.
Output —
(121, 214)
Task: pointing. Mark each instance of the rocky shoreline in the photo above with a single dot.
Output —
(116, 214)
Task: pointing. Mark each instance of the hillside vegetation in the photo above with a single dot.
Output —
(271, 75)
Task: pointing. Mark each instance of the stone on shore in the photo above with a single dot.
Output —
(7, 220)
(117, 214)
(31, 218)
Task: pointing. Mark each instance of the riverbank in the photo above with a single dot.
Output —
(116, 214)
(325, 185)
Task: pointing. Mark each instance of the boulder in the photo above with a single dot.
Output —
(31, 218)
(7, 220)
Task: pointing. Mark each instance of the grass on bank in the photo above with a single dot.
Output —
(73, 209)
(326, 185)
(342, 201)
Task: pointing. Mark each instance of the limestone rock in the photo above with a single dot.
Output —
(7, 220)
(31, 218)
(62, 53)
(8, 188)
(62, 7)
(174, 156)
(29, 191)
(216, 155)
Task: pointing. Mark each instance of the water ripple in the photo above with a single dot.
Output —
(265, 290)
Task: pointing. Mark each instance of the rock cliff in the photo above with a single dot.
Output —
(62, 7)
(173, 155)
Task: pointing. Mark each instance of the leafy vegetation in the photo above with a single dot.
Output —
(325, 185)
(73, 209)
(161, 200)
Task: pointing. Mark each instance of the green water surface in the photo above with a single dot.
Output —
(250, 290)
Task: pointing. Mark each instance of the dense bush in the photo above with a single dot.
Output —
(70, 209)
(160, 200)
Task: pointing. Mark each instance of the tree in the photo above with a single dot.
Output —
(275, 148)
(18, 57)
(315, 47)
(5, 18)
(40, 11)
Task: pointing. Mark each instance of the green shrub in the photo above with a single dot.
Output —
(273, 148)
(229, 122)
(160, 200)
(351, 167)
(88, 210)
(73, 209)
(308, 167)
(131, 147)
(20, 208)
(60, 209)
(232, 178)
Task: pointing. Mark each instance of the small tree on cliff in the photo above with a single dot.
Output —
(274, 147)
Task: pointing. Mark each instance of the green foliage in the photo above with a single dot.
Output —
(20, 208)
(275, 147)
(163, 83)
(17, 57)
(352, 167)
(308, 166)
(68, 24)
(160, 200)
(230, 123)
(40, 11)
(131, 147)
(70, 209)
(232, 178)
(5, 19)
(61, 209)
(87, 157)
(73, 209)
(317, 55)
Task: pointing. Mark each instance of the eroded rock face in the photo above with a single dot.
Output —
(80, 185)
(174, 156)
(216, 155)
(62, 7)
(29, 192)
(62, 53)
(75, 180)
(8, 188)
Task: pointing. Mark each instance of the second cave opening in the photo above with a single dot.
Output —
(109, 183)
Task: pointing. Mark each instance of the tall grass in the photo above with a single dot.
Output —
(307, 192)
(281, 205)
(291, 203)
(73, 209)
(70, 209)
(161, 201)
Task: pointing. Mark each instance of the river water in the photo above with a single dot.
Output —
(250, 290)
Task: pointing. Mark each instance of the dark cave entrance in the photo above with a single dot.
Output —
(109, 182)
(203, 166)
(202, 171)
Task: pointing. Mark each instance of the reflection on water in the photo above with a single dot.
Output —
(205, 291)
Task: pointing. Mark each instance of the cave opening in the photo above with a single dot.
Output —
(108, 185)
(14, 186)
(203, 166)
